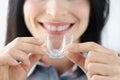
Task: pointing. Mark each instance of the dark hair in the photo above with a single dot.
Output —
(16, 25)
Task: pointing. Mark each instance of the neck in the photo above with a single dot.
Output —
(60, 64)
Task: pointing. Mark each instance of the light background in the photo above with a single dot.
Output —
(110, 35)
(3, 13)
(111, 32)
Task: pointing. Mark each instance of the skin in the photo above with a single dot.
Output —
(62, 12)
(99, 63)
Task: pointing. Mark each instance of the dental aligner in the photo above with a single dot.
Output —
(57, 53)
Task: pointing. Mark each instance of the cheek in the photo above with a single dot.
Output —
(82, 14)
(32, 10)
(29, 10)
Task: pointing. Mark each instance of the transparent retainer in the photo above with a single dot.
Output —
(59, 51)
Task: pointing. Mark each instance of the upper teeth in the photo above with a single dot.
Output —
(56, 28)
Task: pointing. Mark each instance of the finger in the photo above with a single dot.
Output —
(20, 56)
(101, 69)
(98, 57)
(30, 40)
(100, 77)
(7, 60)
(76, 58)
(89, 46)
(34, 58)
(31, 48)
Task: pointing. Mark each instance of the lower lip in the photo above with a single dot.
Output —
(57, 32)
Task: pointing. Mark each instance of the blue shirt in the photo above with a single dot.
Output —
(43, 72)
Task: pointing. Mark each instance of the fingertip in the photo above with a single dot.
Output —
(66, 53)
(44, 50)
(69, 46)
(41, 39)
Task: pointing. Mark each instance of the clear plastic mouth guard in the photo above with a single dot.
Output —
(62, 42)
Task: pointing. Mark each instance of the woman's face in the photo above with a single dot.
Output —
(56, 17)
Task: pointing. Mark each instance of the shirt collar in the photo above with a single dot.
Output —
(44, 65)
(32, 69)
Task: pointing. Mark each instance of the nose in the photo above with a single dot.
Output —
(56, 8)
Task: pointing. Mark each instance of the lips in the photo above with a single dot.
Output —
(56, 28)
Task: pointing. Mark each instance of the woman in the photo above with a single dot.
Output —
(23, 56)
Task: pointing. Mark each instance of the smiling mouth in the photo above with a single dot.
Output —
(56, 28)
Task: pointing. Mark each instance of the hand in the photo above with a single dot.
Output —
(26, 50)
(100, 64)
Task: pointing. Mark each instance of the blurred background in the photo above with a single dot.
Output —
(110, 35)
(3, 13)
(111, 32)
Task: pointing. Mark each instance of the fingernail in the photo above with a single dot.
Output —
(41, 39)
(16, 62)
(70, 47)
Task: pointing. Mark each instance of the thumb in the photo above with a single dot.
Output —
(77, 58)
(34, 58)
